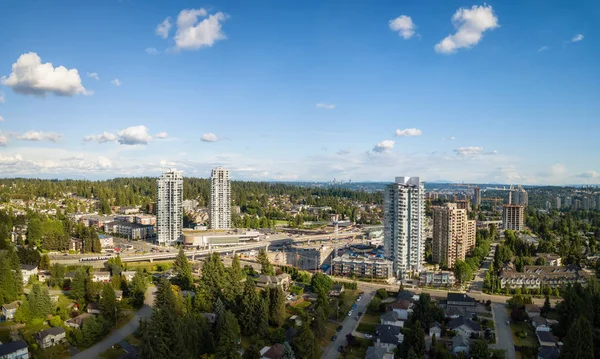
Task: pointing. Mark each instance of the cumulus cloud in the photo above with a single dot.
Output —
(104, 162)
(577, 38)
(151, 51)
(384, 146)
(193, 34)
(2, 97)
(101, 138)
(32, 77)
(39, 136)
(404, 25)
(116, 82)
(470, 25)
(327, 106)
(469, 151)
(135, 135)
(588, 174)
(408, 132)
(163, 28)
(3, 139)
(209, 137)
(161, 135)
(543, 48)
(93, 75)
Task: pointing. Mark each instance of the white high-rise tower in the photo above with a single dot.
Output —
(220, 199)
(404, 225)
(169, 209)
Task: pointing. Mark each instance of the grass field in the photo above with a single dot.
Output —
(115, 353)
(529, 341)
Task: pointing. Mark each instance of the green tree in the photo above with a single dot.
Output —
(137, 288)
(479, 350)
(213, 277)
(305, 344)
(34, 232)
(579, 342)
(45, 262)
(249, 308)
(288, 352)
(78, 285)
(184, 271)
(546, 307)
(276, 307)
(462, 272)
(108, 303)
(265, 265)
(228, 337)
(321, 284)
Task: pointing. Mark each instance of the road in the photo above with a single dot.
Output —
(504, 338)
(477, 284)
(349, 325)
(123, 332)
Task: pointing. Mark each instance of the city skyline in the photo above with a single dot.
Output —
(454, 91)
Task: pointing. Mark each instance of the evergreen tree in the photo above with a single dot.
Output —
(138, 288)
(249, 308)
(479, 349)
(213, 277)
(253, 352)
(412, 354)
(546, 308)
(8, 284)
(78, 285)
(229, 336)
(34, 232)
(184, 271)
(265, 265)
(276, 307)
(108, 303)
(45, 262)
(261, 316)
(288, 352)
(578, 343)
(305, 344)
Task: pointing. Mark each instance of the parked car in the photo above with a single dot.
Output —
(350, 313)
(360, 314)
(339, 329)
(334, 338)
(368, 336)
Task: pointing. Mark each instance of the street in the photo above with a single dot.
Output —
(349, 325)
(504, 338)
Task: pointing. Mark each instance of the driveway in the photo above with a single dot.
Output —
(123, 332)
(348, 326)
(504, 338)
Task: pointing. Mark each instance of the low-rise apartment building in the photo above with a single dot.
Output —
(437, 279)
(369, 267)
(130, 230)
(534, 277)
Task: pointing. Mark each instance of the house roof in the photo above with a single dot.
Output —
(435, 325)
(274, 352)
(532, 308)
(99, 273)
(80, 318)
(546, 337)
(405, 295)
(28, 267)
(12, 305)
(390, 316)
(50, 331)
(12, 347)
(548, 353)
(460, 297)
(473, 325)
(401, 304)
(375, 353)
(539, 321)
(92, 306)
(387, 334)
(460, 341)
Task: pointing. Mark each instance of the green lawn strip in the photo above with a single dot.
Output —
(113, 353)
(529, 341)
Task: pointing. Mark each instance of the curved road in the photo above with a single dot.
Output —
(123, 332)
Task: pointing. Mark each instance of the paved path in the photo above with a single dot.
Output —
(504, 339)
(123, 332)
(349, 325)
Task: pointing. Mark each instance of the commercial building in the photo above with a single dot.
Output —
(453, 234)
(169, 211)
(220, 199)
(208, 239)
(361, 266)
(404, 225)
(513, 217)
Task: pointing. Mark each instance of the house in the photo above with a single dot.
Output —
(407, 295)
(550, 259)
(106, 241)
(9, 310)
(128, 275)
(274, 352)
(402, 308)
(464, 326)
(546, 339)
(460, 300)
(75, 245)
(387, 337)
(532, 310)
(77, 322)
(282, 281)
(119, 295)
(336, 290)
(101, 276)
(460, 344)
(548, 353)
(49, 337)
(436, 329)
(532, 277)
(391, 318)
(93, 308)
(379, 353)
(43, 276)
(14, 350)
(27, 270)
(540, 323)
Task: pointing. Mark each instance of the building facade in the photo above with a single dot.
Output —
(367, 267)
(169, 211)
(558, 203)
(404, 225)
(477, 196)
(513, 217)
(520, 197)
(220, 199)
(453, 234)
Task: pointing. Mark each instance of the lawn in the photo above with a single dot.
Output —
(115, 353)
(302, 305)
(56, 352)
(133, 340)
(330, 331)
(4, 335)
(529, 341)
(359, 352)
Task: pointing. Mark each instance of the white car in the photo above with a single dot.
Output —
(289, 297)
(350, 313)
(368, 336)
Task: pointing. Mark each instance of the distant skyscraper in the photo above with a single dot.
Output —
(404, 224)
(169, 210)
(520, 197)
(586, 203)
(548, 205)
(558, 203)
(598, 202)
(453, 234)
(220, 199)
(568, 202)
(577, 204)
(477, 196)
(513, 217)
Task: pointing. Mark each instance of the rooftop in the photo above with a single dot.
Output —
(460, 297)
(473, 325)
(50, 331)
(28, 267)
(546, 337)
(12, 347)
(387, 334)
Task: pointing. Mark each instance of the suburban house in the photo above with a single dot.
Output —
(274, 352)
(460, 343)
(436, 329)
(407, 295)
(14, 350)
(101, 276)
(550, 259)
(128, 274)
(282, 281)
(546, 339)
(548, 353)
(9, 309)
(27, 270)
(336, 290)
(532, 310)
(49, 337)
(460, 300)
(402, 308)
(77, 322)
(540, 324)
(379, 353)
(387, 337)
(391, 318)
(93, 308)
(464, 326)
(43, 276)
(75, 245)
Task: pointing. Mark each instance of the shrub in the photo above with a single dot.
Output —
(382, 293)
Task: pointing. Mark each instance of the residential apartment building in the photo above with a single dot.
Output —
(131, 230)
(568, 202)
(367, 267)
(220, 199)
(404, 225)
(169, 210)
(463, 204)
(534, 277)
(477, 196)
(558, 203)
(453, 234)
(437, 279)
(513, 217)
(520, 197)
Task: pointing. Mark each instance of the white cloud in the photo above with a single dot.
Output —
(1, 118)
(104, 162)
(3, 139)
(163, 28)
(409, 132)
(101, 138)
(93, 75)
(31, 77)
(543, 48)
(384, 146)
(116, 82)
(151, 51)
(193, 35)
(2, 97)
(344, 152)
(135, 135)
(39, 136)
(452, 138)
(470, 25)
(209, 137)
(588, 174)
(577, 38)
(469, 151)
(327, 106)
(404, 25)
(161, 135)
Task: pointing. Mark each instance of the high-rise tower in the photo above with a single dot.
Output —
(220, 199)
(169, 209)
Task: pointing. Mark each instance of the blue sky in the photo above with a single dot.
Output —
(314, 90)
